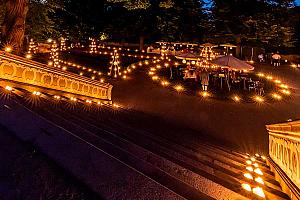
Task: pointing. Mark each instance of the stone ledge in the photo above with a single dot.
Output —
(286, 183)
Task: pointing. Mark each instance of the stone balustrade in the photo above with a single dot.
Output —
(284, 150)
(18, 69)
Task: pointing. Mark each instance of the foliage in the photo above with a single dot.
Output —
(267, 23)
(261, 22)
(39, 24)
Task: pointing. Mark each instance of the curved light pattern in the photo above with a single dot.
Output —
(259, 191)
(56, 97)
(258, 171)
(179, 88)
(205, 94)
(236, 98)
(73, 99)
(28, 56)
(283, 86)
(260, 74)
(165, 83)
(248, 175)
(116, 105)
(287, 92)
(259, 180)
(246, 186)
(36, 93)
(277, 81)
(276, 96)
(155, 78)
(259, 99)
(249, 168)
(8, 49)
(8, 88)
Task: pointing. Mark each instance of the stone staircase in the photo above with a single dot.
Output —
(190, 170)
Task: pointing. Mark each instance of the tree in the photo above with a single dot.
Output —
(13, 26)
(264, 23)
(40, 23)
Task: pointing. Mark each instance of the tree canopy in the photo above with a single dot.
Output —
(267, 23)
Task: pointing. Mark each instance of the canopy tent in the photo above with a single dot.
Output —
(187, 56)
(233, 63)
(207, 51)
(228, 45)
(210, 45)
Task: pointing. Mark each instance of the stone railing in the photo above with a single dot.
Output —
(18, 69)
(284, 150)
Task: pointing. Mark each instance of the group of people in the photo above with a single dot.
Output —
(275, 59)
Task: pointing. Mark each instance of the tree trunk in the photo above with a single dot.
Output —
(238, 40)
(13, 27)
(142, 41)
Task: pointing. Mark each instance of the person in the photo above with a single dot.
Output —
(276, 59)
(204, 80)
(261, 58)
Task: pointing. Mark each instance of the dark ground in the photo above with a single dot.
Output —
(27, 174)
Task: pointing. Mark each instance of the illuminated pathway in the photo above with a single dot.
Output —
(149, 140)
(240, 124)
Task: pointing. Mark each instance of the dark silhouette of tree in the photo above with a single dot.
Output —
(13, 26)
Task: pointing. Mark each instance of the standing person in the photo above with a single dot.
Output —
(276, 59)
(261, 58)
(204, 80)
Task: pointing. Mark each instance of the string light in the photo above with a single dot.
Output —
(54, 55)
(32, 49)
(93, 46)
(115, 68)
(63, 44)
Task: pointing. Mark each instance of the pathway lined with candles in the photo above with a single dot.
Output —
(241, 124)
